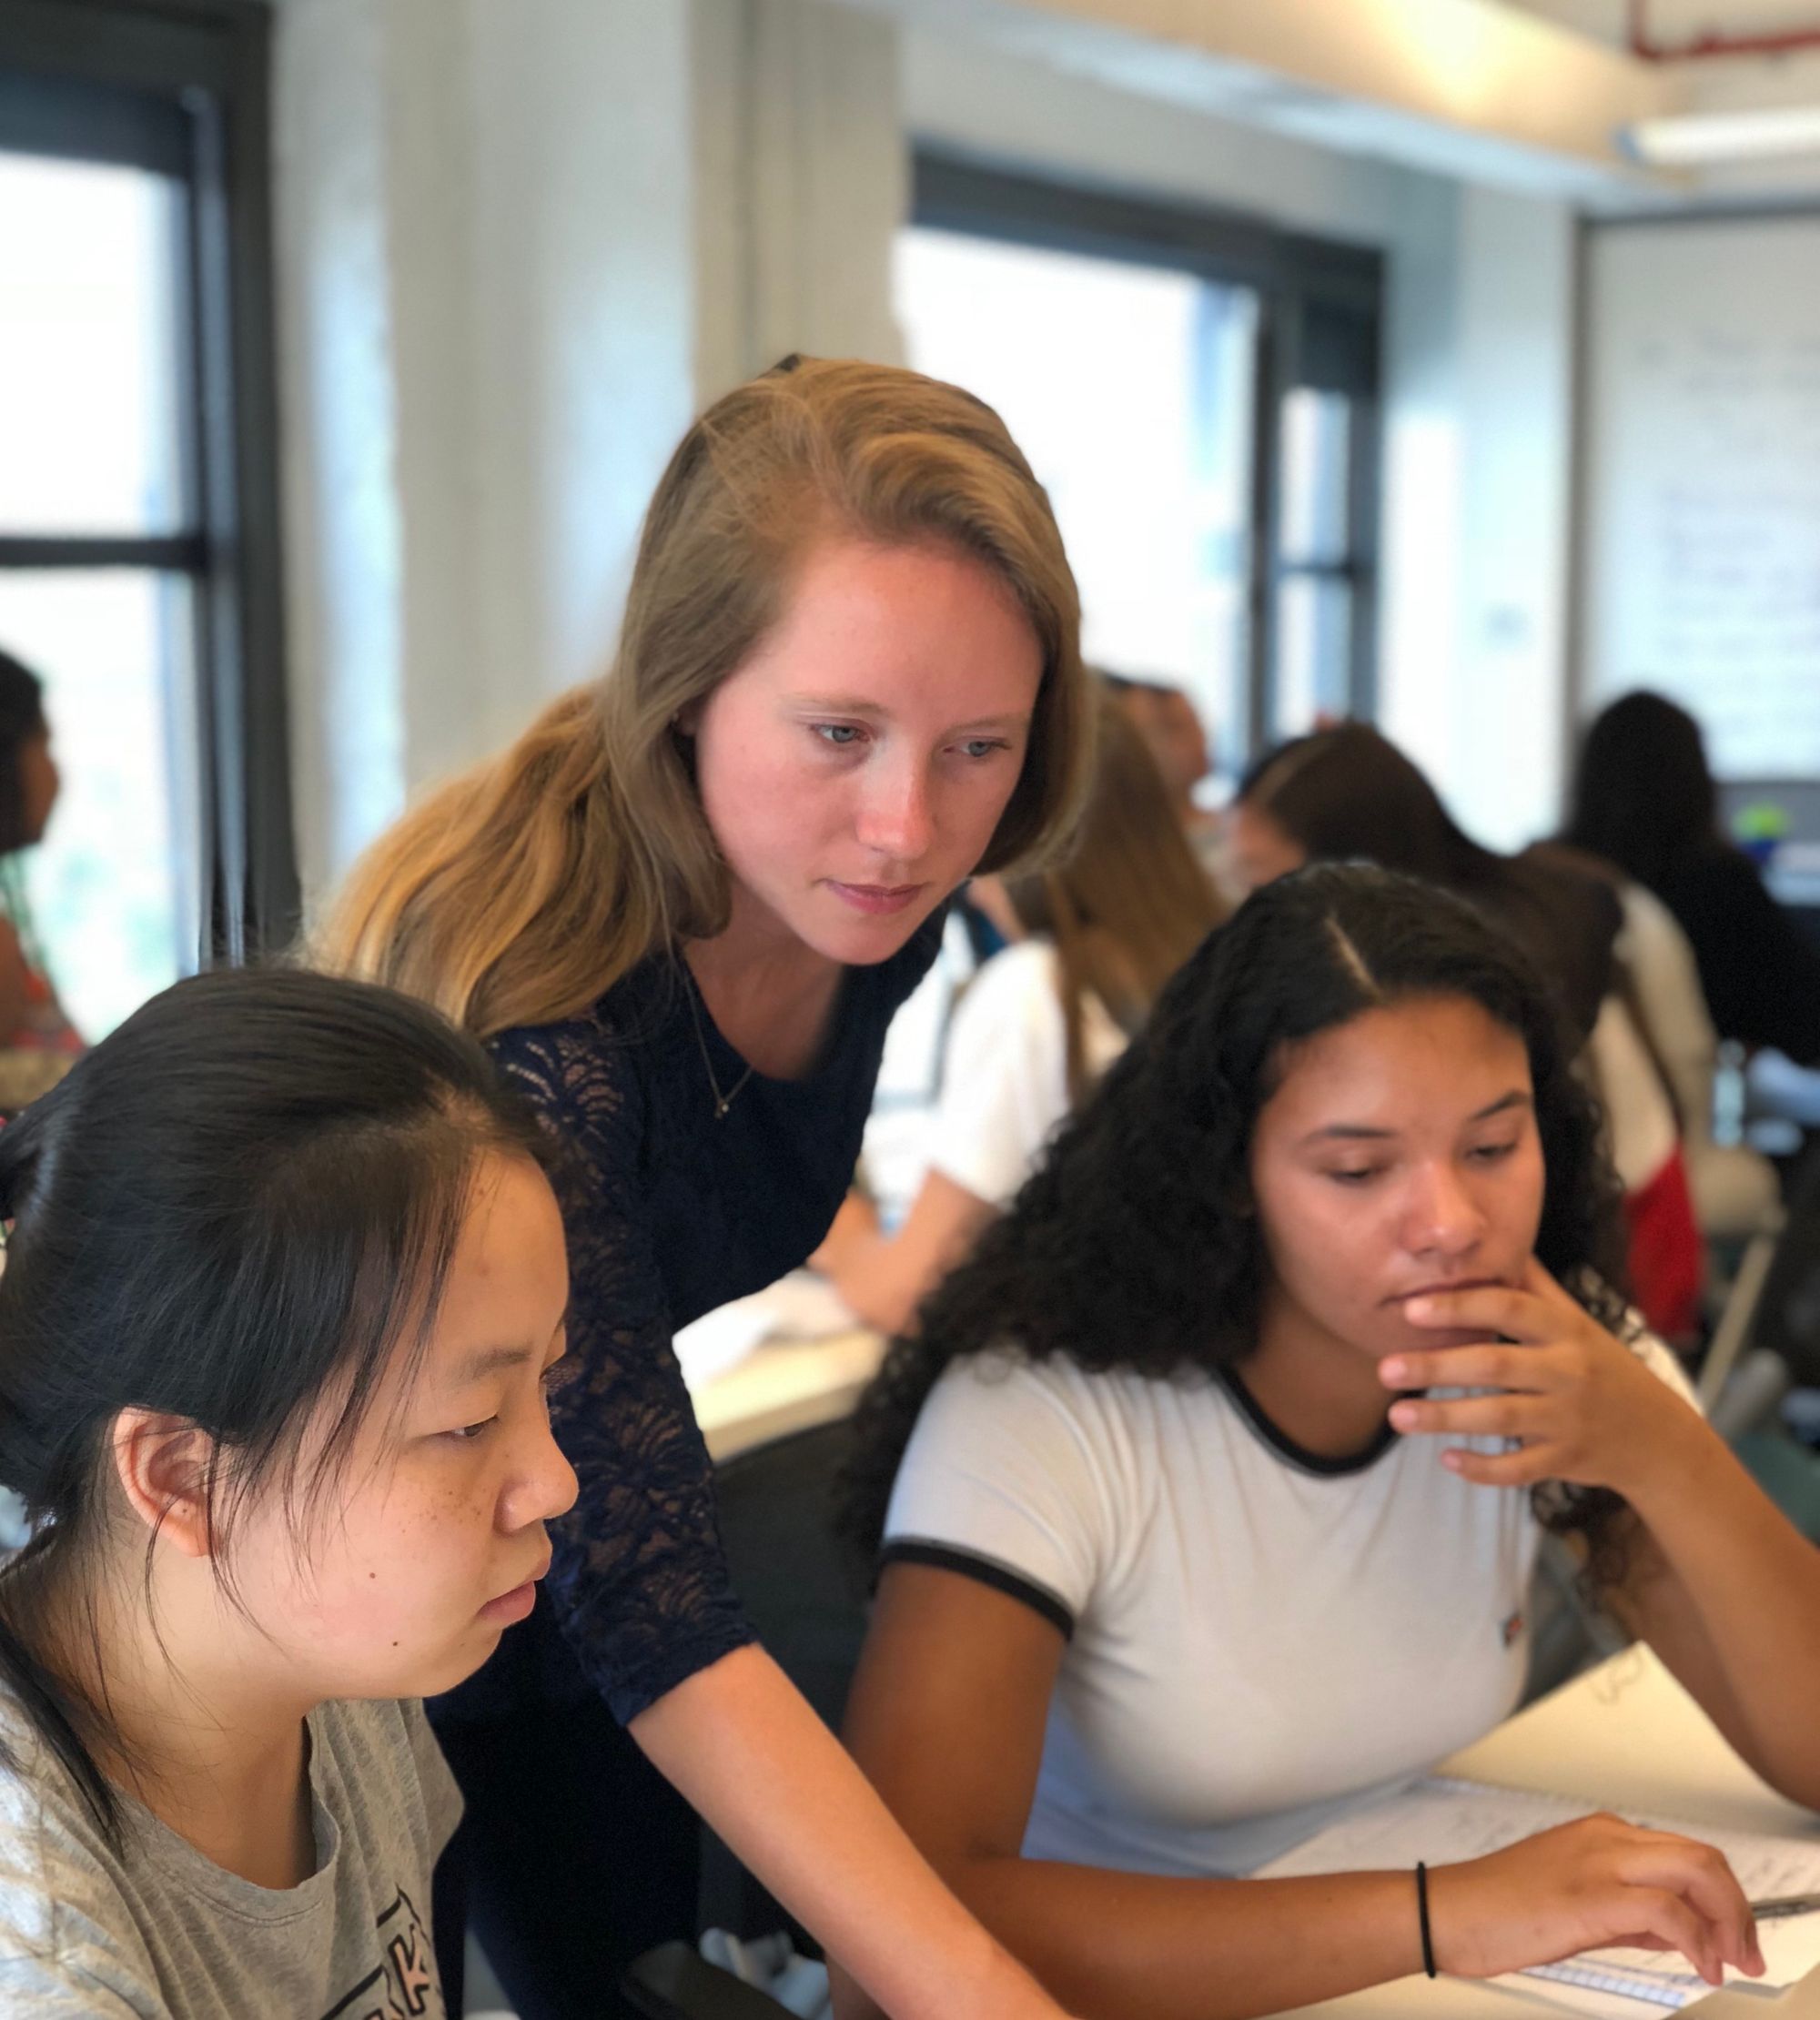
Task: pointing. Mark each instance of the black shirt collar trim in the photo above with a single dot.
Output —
(1323, 1465)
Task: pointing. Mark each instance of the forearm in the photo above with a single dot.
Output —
(1111, 1945)
(1753, 1581)
(872, 1281)
(746, 1750)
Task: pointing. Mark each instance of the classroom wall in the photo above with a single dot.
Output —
(518, 247)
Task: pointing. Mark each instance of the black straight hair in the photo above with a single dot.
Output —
(1135, 1245)
(241, 1205)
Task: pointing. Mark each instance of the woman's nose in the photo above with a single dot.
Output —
(895, 817)
(544, 1487)
(1444, 1217)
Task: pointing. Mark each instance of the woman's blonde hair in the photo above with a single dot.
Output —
(521, 892)
(1130, 904)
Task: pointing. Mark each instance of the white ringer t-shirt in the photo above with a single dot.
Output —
(1257, 1636)
(1004, 1080)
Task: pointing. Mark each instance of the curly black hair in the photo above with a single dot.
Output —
(1133, 1245)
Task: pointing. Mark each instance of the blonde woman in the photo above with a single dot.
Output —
(682, 909)
(1097, 938)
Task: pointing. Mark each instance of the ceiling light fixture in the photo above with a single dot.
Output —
(1688, 140)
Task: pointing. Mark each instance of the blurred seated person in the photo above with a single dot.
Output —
(1735, 1189)
(1169, 721)
(37, 1041)
(1093, 942)
(1643, 798)
(1348, 793)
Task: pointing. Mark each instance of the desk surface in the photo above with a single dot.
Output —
(783, 1386)
(1628, 1732)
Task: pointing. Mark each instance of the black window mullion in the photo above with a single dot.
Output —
(1365, 489)
(1275, 344)
(185, 553)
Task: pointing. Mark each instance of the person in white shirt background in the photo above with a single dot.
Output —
(1094, 940)
(1209, 1489)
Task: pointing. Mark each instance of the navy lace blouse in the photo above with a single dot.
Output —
(669, 1212)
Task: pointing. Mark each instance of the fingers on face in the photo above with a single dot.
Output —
(1517, 1314)
(1505, 1416)
(1518, 1469)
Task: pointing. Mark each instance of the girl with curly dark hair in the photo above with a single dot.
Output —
(1208, 1491)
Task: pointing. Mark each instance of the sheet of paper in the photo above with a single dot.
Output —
(1442, 1821)
(799, 1306)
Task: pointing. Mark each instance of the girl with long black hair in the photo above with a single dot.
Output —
(284, 1288)
(1208, 1491)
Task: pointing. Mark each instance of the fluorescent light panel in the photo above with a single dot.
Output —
(1687, 140)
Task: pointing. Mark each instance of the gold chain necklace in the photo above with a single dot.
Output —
(723, 1101)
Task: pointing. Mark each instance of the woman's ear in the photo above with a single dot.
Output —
(164, 1465)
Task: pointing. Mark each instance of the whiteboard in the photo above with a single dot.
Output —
(1701, 533)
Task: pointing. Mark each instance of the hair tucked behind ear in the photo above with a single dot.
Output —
(1134, 1245)
(242, 1202)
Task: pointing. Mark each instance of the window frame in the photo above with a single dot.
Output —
(1298, 278)
(183, 87)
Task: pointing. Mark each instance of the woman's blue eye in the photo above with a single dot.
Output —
(842, 735)
(983, 746)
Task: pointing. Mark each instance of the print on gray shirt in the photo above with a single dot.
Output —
(162, 1933)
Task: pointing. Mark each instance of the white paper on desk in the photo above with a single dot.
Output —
(1440, 1822)
(801, 1306)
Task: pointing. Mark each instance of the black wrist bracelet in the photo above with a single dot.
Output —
(1421, 1909)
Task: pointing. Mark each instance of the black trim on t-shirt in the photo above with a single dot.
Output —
(1328, 1467)
(985, 1571)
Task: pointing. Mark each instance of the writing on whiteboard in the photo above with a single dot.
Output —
(1703, 554)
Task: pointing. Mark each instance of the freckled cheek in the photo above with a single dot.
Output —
(404, 1571)
(778, 818)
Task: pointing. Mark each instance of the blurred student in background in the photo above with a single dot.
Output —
(1168, 719)
(1643, 798)
(1094, 940)
(37, 1041)
(1349, 793)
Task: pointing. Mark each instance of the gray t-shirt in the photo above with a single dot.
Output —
(164, 1932)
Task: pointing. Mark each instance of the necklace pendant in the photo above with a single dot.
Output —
(721, 1106)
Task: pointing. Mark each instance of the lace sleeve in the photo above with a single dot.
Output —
(639, 1583)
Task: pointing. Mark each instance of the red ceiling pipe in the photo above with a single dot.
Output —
(1651, 51)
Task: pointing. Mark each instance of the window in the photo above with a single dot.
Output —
(139, 569)
(1198, 396)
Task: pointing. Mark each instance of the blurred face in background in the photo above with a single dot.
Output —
(1170, 724)
(1258, 850)
(38, 782)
